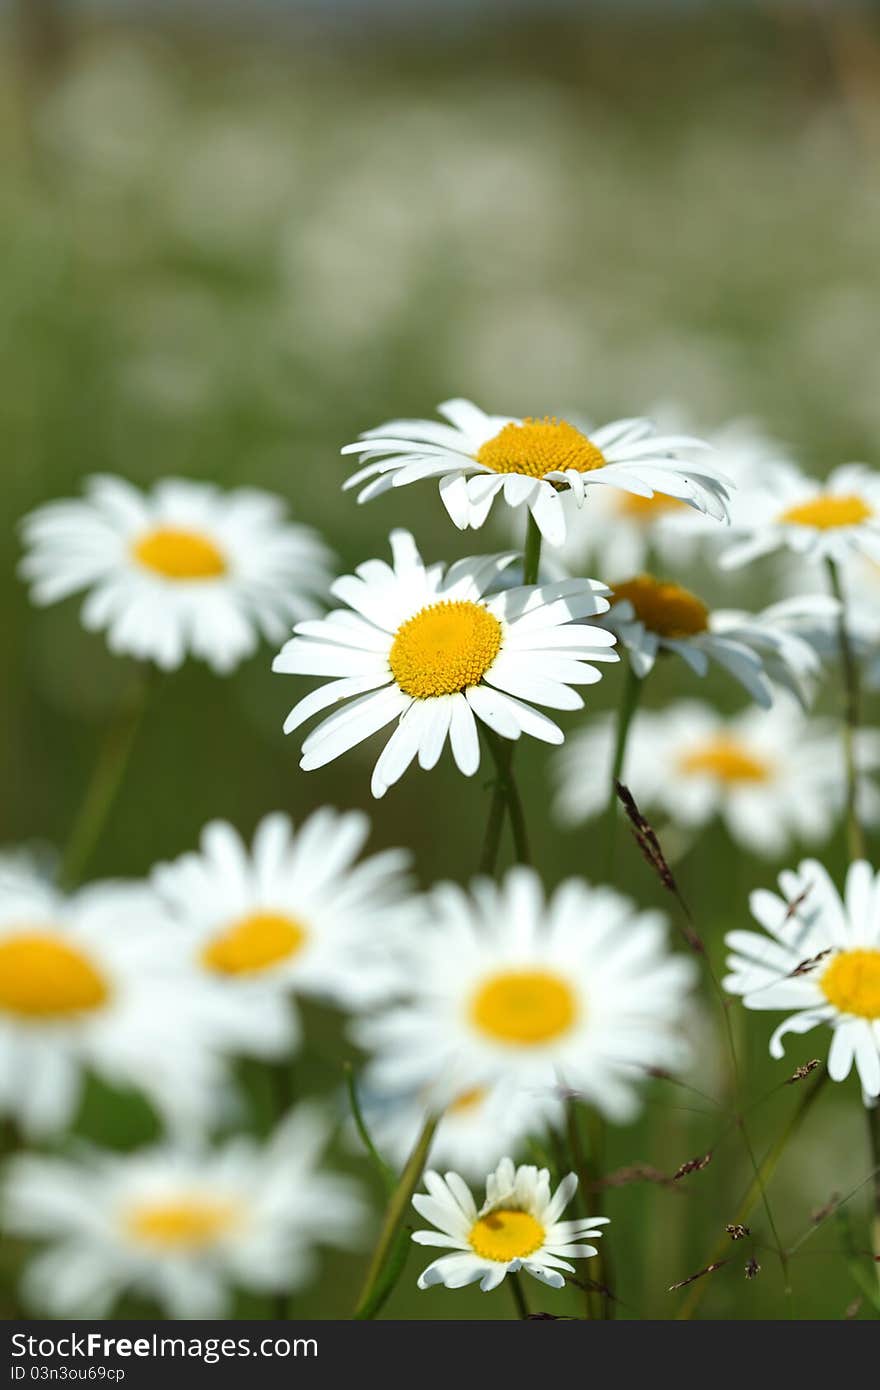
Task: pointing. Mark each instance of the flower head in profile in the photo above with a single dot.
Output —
(820, 960)
(184, 569)
(182, 1226)
(531, 463)
(503, 986)
(95, 982)
(772, 776)
(295, 915)
(828, 520)
(425, 648)
(517, 1227)
(651, 615)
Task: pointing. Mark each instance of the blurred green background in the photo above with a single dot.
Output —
(228, 246)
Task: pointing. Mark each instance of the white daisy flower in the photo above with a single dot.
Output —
(773, 776)
(95, 982)
(652, 615)
(477, 1127)
(821, 959)
(427, 649)
(183, 1227)
(517, 1227)
(827, 520)
(183, 569)
(530, 463)
(578, 992)
(295, 915)
(622, 532)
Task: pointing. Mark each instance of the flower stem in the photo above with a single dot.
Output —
(532, 555)
(389, 1255)
(873, 1117)
(629, 702)
(106, 781)
(850, 672)
(756, 1190)
(519, 1296)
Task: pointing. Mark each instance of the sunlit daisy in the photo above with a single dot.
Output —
(478, 1126)
(652, 615)
(294, 915)
(821, 959)
(182, 1227)
(184, 569)
(517, 1227)
(530, 463)
(426, 648)
(829, 519)
(578, 992)
(773, 776)
(95, 982)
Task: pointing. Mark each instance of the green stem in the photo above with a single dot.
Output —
(384, 1170)
(505, 797)
(629, 703)
(578, 1161)
(757, 1189)
(532, 554)
(105, 784)
(519, 1296)
(873, 1116)
(384, 1269)
(850, 672)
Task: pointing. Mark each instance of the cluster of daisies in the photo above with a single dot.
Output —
(485, 1007)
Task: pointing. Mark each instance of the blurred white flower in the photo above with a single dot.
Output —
(293, 916)
(426, 648)
(517, 1227)
(530, 463)
(773, 776)
(820, 957)
(184, 569)
(182, 1226)
(827, 520)
(576, 992)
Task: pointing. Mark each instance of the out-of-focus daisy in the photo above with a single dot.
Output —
(183, 569)
(830, 519)
(652, 615)
(294, 915)
(183, 1227)
(772, 776)
(621, 532)
(477, 1127)
(477, 457)
(517, 1227)
(579, 992)
(427, 648)
(95, 982)
(820, 959)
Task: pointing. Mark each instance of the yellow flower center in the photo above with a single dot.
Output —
(187, 1224)
(254, 943)
(505, 1235)
(646, 509)
(539, 447)
(524, 1007)
(828, 511)
(667, 609)
(726, 760)
(42, 977)
(468, 1100)
(178, 554)
(852, 983)
(445, 648)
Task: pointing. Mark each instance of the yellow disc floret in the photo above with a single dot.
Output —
(506, 1235)
(445, 648)
(524, 1008)
(852, 983)
(666, 609)
(180, 554)
(254, 943)
(647, 509)
(828, 511)
(185, 1224)
(43, 978)
(727, 760)
(539, 447)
